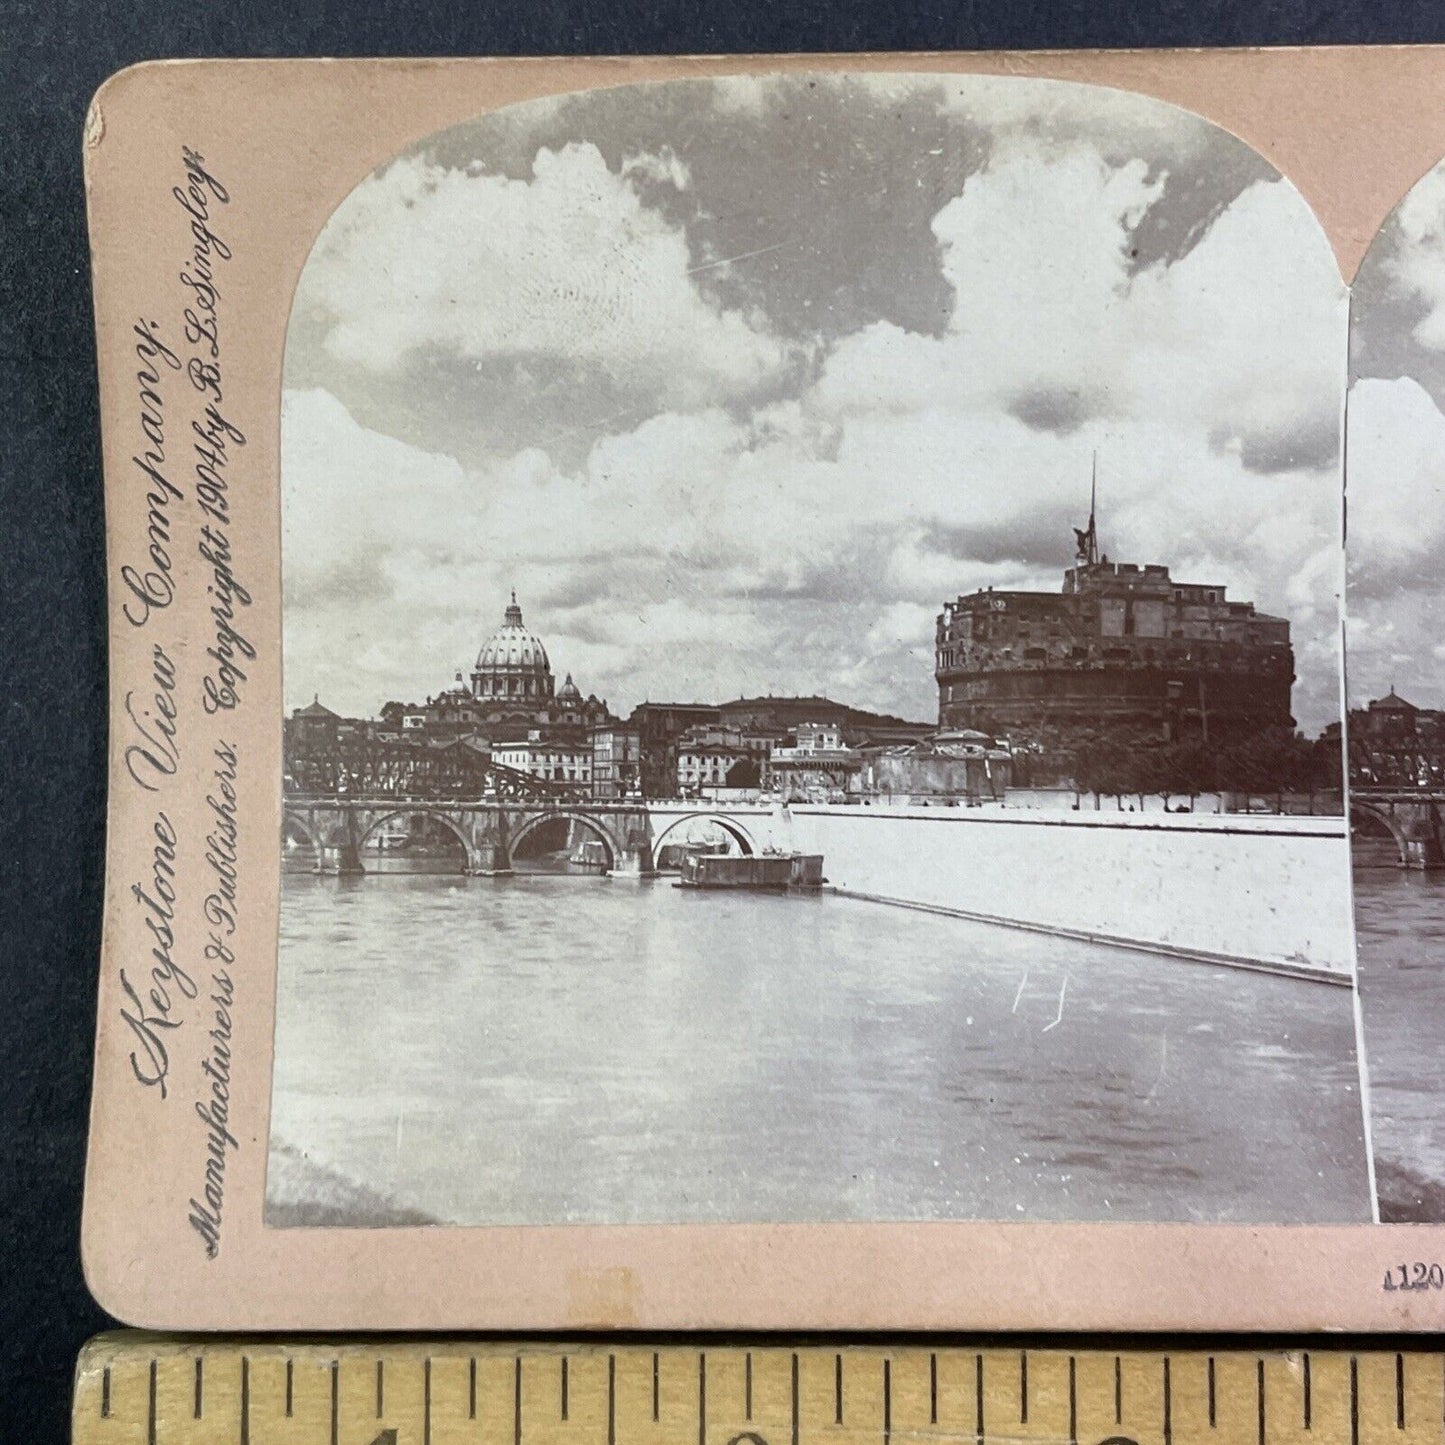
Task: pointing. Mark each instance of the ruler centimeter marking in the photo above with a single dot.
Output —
(134, 1389)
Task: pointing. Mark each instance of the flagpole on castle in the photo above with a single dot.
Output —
(1093, 503)
(1088, 537)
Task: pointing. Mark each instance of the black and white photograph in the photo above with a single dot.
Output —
(1396, 671)
(814, 671)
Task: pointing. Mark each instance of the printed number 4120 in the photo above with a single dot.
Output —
(1415, 1276)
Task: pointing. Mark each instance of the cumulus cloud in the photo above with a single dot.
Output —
(1242, 338)
(358, 508)
(1035, 251)
(1211, 389)
(570, 262)
(1396, 473)
(1397, 482)
(770, 523)
(1396, 540)
(1416, 262)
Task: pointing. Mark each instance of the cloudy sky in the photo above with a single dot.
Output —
(737, 381)
(1397, 456)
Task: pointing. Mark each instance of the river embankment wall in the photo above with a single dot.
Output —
(1262, 891)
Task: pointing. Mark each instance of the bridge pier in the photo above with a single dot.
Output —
(634, 858)
(347, 861)
(634, 862)
(490, 860)
(1418, 833)
(1421, 847)
(1426, 859)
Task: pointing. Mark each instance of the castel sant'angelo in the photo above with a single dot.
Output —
(1123, 651)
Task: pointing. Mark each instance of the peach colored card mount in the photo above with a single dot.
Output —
(739, 698)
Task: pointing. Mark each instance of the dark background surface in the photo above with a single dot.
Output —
(52, 781)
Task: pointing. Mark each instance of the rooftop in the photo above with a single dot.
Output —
(1392, 702)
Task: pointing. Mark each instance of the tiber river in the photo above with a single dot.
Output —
(552, 1048)
(1400, 927)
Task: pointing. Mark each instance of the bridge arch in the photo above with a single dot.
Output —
(298, 821)
(730, 826)
(298, 826)
(420, 810)
(1382, 819)
(598, 830)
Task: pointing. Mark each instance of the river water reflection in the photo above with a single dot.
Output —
(551, 1048)
(1400, 924)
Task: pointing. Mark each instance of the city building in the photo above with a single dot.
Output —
(616, 761)
(512, 692)
(963, 765)
(658, 726)
(512, 679)
(548, 755)
(712, 756)
(1122, 651)
(314, 725)
(1394, 744)
(816, 765)
(751, 727)
(452, 713)
(777, 717)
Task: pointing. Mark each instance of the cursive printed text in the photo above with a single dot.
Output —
(152, 754)
(151, 584)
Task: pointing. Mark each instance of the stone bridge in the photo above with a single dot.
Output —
(1414, 818)
(632, 833)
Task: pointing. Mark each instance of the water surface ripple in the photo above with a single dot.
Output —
(548, 1049)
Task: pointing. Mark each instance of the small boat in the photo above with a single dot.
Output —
(775, 871)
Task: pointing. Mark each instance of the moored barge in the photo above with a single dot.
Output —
(764, 870)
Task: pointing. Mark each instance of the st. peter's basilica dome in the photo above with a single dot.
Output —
(512, 663)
